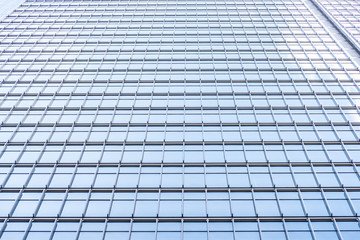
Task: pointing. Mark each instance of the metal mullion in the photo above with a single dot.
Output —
(89, 191)
(279, 206)
(95, 175)
(316, 131)
(299, 191)
(267, 98)
(233, 226)
(182, 221)
(23, 148)
(9, 173)
(271, 175)
(315, 176)
(105, 227)
(349, 200)
(205, 174)
(118, 169)
(34, 130)
(337, 230)
(312, 232)
(297, 132)
(327, 205)
(207, 227)
(114, 110)
(16, 202)
(26, 232)
(135, 202)
(131, 227)
(110, 208)
(52, 231)
(151, 97)
(158, 207)
(285, 229)
(40, 201)
(31, 173)
(253, 203)
(273, 117)
(73, 175)
(207, 211)
(156, 226)
(259, 227)
(80, 109)
(80, 221)
(230, 204)
(52, 174)
(90, 128)
(161, 174)
(21, 98)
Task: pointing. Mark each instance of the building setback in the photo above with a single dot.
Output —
(180, 120)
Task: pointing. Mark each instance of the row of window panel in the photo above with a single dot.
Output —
(176, 65)
(180, 133)
(8, 31)
(115, 55)
(148, 62)
(194, 204)
(172, 177)
(10, 37)
(56, 15)
(176, 88)
(111, 17)
(39, 4)
(143, 88)
(185, 225)
(180, 154)
(211, 7)
(187, 230)
(182, 101)
(88, 8)
(180, 116)
(180, 195)
(201, 78)
(177, 46)
(278, 168)
(166, 31)
(251, 43)
(260, 21)
(234, 38)
(151, 43)
(204, 77)
(166, 66)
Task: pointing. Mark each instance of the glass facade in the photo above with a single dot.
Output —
(346, 13)
(177, 120)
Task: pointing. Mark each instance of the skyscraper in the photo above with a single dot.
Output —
(179, 120)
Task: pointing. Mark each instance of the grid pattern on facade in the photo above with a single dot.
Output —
(347, 14)
(176, 120)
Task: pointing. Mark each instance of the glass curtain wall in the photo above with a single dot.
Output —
(181, 120)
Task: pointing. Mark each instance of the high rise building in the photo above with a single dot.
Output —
(179, 120)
